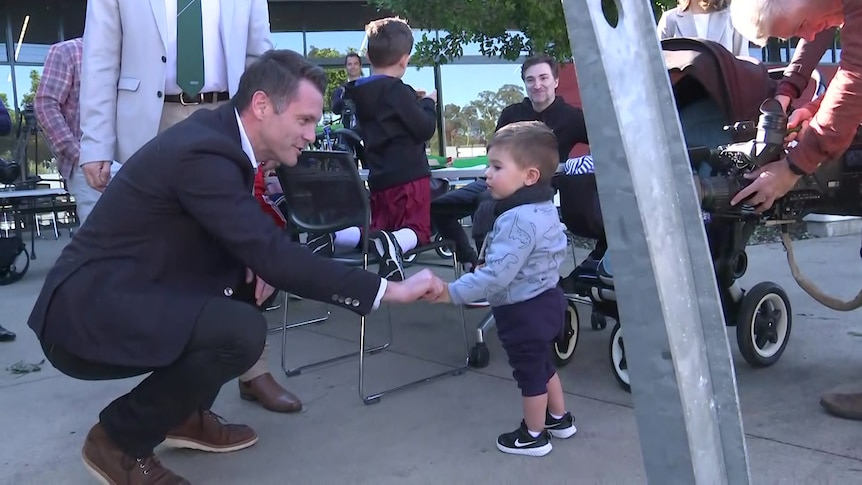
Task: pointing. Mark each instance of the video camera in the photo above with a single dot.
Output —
(835, 188)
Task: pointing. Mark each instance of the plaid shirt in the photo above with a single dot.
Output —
(56, 103)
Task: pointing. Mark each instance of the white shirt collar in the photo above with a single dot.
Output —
(246, 143)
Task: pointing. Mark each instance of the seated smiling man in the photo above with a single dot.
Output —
(541, 76)
(150, 284)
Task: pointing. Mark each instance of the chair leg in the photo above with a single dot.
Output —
(285, 327)
(374, 398)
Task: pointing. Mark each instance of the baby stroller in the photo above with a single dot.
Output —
(713, 89)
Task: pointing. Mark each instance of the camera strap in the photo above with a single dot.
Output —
(811, 288)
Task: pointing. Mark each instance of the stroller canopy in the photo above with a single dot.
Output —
(737, 84)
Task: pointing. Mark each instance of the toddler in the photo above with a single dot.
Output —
(518, 275)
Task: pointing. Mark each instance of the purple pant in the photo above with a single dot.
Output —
(527, 331)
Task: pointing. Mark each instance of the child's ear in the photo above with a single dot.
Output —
(533, 176)
(404, 61)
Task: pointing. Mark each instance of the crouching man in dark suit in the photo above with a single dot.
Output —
(145, 286)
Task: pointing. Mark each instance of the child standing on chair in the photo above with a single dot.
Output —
(396, 123)
(519, 278)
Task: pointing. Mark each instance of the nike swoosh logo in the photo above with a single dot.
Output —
(519, 444)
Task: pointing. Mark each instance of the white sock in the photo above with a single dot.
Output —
(406, 238)
(534, 434)
(348, 238)
(555, 416)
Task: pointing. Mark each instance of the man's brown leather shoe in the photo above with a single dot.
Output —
(844, 405)
(206, 431)
(113, 467)
(265, 390)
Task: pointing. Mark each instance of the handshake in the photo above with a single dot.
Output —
(424, 285)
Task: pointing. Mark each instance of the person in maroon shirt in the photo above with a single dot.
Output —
(832, 118)
(829, 123)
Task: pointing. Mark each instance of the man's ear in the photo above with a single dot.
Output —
(259, 104)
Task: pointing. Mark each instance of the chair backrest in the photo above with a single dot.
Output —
(324, 192)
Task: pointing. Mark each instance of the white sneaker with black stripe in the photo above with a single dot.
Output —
(389, 255)
(520, 442)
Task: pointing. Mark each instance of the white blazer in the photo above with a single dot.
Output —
(674, 23)
(123, 68)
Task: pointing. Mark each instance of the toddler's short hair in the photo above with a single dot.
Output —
(389, 40)
(531, 144)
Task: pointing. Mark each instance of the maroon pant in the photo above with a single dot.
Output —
(404, 206)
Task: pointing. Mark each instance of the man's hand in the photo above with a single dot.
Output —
(771, 182)
(432, 95)
(798, 122)
(443, 297)
(423, 285)
(97, 174)
(262, 289)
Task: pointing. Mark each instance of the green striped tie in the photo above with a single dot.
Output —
(190, 46)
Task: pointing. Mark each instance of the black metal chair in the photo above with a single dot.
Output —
(325, 193)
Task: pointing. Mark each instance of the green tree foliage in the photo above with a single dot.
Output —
(336, 76)
(474, 123)
(540, 24)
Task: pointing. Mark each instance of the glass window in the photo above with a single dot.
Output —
(26, 82)
(473, 97)
(34, 28)
(288, 40)
(7, 142)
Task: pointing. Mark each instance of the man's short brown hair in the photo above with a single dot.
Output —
(541, 59)
(389, 40)
(531, 144)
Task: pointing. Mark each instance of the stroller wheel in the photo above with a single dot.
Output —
(763, 324)
(564, 346)
(617, 353)
(479, 356)
(15, 271)
(443, 252)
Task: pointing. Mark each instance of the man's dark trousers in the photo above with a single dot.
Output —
(227, 340)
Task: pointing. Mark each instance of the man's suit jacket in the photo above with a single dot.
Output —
(177, 225)
(123, 72)
(674, 23)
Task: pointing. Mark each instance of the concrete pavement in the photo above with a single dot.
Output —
(444, 431)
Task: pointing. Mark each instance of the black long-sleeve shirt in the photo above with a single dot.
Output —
(395, 127)
(566, 121)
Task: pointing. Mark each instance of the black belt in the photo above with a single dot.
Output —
(197, 99)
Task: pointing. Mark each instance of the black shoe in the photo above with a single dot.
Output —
(321, 244)
(561, 428)
(5, 335)
(389, 255)
(519, 442)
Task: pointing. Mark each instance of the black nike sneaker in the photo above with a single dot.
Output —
(322, 244)
(519, 442)
(561, 428)
(389, 255)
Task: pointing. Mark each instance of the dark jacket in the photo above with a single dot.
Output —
(565, 120)
(395, 127)
(177, 226)
(5, 120)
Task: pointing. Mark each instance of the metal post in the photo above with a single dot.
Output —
(441, 126)
(682, 377)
